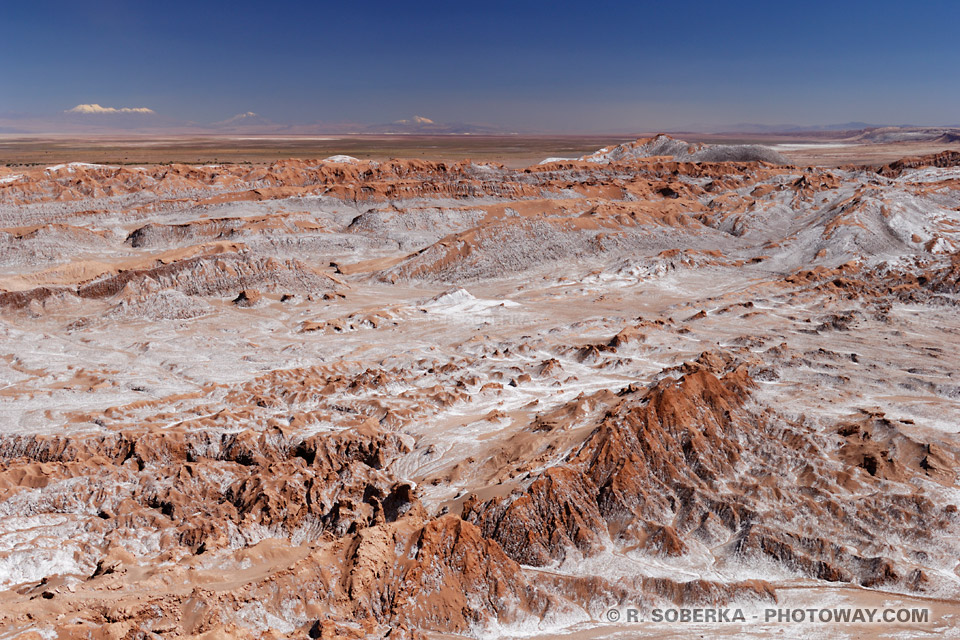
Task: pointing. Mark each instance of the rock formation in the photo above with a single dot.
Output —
(343, 398)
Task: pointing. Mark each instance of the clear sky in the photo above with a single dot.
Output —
(542, 66)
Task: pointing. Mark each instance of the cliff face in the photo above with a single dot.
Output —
(626, 480)
(344, 398)
(943, 159)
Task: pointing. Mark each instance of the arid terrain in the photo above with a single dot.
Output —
(874, 147)
(445, 398)
(514, 151)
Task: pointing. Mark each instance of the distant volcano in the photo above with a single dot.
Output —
(426, 126)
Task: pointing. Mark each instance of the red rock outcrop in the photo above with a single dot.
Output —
(686, 461)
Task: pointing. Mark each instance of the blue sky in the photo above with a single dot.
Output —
(540, 66)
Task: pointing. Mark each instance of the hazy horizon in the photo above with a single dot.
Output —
(103, 67)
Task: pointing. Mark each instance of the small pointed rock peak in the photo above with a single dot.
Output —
(248, 298)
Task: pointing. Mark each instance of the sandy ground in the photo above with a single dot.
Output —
(512, 151)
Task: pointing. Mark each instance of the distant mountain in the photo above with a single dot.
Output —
(795, 128)
(425, 126)
(879, 135)
(248, 122)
